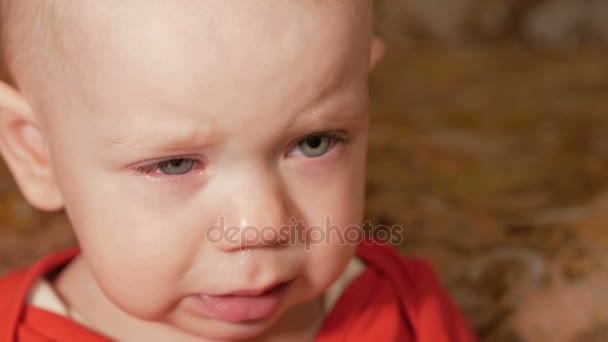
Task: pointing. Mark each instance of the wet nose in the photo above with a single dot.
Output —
(256, 216)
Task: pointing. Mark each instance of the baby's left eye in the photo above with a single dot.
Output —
(317, 145)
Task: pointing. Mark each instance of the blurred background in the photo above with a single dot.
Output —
(489, 144)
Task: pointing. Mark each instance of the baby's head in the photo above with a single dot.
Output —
(180, 136)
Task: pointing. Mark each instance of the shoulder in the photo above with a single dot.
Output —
(405, 271)
(9, 287)
(425, 303)
(15, 286)
(412, 278)
(13, 290)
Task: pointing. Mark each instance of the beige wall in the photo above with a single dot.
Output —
(536, 22)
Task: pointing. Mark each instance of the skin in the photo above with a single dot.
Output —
(232, 86)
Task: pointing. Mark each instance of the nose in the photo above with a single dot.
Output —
(256, 215)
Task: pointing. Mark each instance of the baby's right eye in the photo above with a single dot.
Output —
(170, 167)
(175, 167)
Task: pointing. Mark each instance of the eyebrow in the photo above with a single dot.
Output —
(318, 122)
(180, 139)
(336, 115)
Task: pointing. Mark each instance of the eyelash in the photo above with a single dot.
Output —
(335, 137)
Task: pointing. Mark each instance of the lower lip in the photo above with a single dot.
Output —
(239, 308)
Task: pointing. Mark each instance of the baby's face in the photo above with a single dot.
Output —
(169, 118)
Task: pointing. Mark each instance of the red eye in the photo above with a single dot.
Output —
(171, 167)
(176, 167)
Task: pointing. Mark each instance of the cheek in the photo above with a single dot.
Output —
(334, 259)
(122, 239)
(334, 205)
(334, 232)
(134, 261)
(337, 194)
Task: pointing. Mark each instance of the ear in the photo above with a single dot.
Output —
(378, 50)
(25, 151)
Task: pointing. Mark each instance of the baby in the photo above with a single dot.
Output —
(186, 139)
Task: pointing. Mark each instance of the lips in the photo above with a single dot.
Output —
(261, 292)
(243, 305)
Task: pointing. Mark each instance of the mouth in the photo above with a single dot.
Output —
(276, 287)
(243, 305)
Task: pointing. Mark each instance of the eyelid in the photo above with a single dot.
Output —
(333, 134)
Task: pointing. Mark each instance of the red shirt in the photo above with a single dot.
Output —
(394, 299)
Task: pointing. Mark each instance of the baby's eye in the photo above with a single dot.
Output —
(169, 167)
(315, 146)
(176, 167)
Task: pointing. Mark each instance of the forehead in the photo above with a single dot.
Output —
(197, 54)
